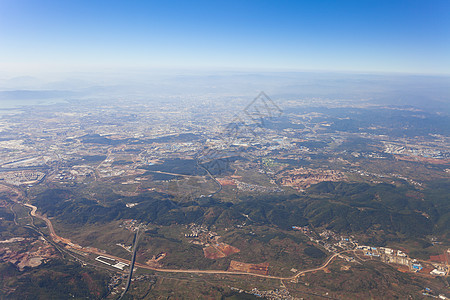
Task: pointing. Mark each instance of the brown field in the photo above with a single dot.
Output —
(226, 181)
(219, 250)
(303, 178)
(426, 270)
(236, 266)
(423, 159)
(402, 268)
(439, 258)
(38, 253)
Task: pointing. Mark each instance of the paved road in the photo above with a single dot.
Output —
(133, 261)
(66, 241)
(323, 266)
(212, 177)
(55, 237)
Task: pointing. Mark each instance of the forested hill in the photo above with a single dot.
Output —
(342, 207)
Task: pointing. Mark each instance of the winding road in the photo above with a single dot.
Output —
(57, 239)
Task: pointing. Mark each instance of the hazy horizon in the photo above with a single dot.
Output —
(350, 36)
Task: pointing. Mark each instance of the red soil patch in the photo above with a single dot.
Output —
(426, 270)
(403, 269)
(438, 258)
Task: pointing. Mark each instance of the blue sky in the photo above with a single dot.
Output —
(365, 36)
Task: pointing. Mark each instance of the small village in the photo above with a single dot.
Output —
(335, 243)
(277, 294)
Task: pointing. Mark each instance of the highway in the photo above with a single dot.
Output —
(68, 242)
(133, 261)
(57, 238)
(212, 177)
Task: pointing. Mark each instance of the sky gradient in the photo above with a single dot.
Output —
(363, 36)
